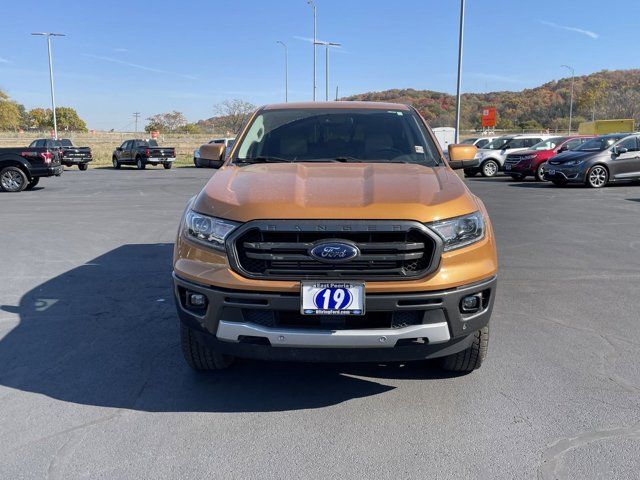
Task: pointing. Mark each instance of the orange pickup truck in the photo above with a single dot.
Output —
(336, 232)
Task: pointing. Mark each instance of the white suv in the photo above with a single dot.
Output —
(492, 156)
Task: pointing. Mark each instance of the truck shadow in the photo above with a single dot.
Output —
(106, 334)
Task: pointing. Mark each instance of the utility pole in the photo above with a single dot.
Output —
(326, 67)
(460, 41)
(315, 32)
(286, 70)
(53, 96)
(336, 93)
(135, 116)
(570, 101)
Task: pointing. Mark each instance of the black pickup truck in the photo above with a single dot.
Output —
(69, 154)
(22, 168)
(142, 153)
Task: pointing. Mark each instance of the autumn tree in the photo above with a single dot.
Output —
(66, 118)
(166, 122)
(232, 115)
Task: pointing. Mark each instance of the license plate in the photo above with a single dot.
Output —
(551, 171)
(332, 298)
(507, 167)
(154, 160)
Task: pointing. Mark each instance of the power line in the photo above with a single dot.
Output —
(136, 115)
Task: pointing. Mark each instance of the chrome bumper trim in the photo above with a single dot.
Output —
(373, 338)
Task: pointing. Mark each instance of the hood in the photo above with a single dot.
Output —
(572, 155)
(335, 191)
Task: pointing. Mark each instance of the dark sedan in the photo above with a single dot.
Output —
(604, 159)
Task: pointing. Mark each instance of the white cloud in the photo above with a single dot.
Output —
(582, 31)
(135, 65)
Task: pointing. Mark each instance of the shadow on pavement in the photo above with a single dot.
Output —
(106, 334)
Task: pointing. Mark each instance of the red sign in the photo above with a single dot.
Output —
(489, 116)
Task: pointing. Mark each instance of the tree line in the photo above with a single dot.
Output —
(601, 95)
(14, 117)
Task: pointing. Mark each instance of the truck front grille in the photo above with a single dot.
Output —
(280, 250)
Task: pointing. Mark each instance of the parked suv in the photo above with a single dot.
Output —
(479, 142)
(491, 160)
(534, 160)
(602, 159)
(336, 231)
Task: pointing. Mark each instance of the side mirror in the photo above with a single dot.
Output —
(118, 149)
(563, 148)
(619, 150)
(462, 156)
(213, 151)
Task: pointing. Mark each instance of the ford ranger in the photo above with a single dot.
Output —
(336, 231)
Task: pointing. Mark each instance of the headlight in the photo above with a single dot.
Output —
(477, 156)
(459, 231)
(196, 153)
(207, 230)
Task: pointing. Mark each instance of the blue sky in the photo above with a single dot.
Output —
(156, 56)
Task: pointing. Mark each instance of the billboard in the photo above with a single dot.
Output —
(488, 116)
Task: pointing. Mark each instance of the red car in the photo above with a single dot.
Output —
(531, 162)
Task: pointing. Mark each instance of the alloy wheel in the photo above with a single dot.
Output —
(597, 177)
(12, 180)
(490, 168)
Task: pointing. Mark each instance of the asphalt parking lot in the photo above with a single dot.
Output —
(93, 385)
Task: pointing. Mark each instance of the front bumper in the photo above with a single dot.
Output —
(576, 174)
(227, 323)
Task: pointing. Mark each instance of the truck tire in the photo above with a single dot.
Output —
(116, 163)
(200, 357)
(471, 358)
(468, 172)
(140, 163)
(83, 166)
(167, 166)
(32, 183)
(13, 179)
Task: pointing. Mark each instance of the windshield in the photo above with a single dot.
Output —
(597, 144)
(496, 144)
(548, 144)
(325, 134)
(469, 141)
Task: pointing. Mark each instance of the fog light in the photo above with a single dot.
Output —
(196, 299)
(471, 303)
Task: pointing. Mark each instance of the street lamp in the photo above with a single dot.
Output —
(326, 67)
(53, 96)
(459, 70)
(315, 31)
(571, 101)
(286, 70)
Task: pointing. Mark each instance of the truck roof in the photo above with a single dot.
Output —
(342, 104)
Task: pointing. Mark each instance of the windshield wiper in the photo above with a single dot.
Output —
(368, 160)
(263, 160)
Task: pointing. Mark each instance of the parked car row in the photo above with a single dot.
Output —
(593, 160)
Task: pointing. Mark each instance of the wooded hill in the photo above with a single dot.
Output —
(603, 95)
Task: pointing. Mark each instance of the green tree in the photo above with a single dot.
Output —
(166, 122)
(9, 113)
(66, 117)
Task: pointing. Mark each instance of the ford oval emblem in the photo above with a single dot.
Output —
(334, 252)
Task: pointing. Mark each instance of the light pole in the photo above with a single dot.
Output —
(570, 101)
(326, 66)
(460, 38)
(315, 31)
(53, 96)
(286, 70)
